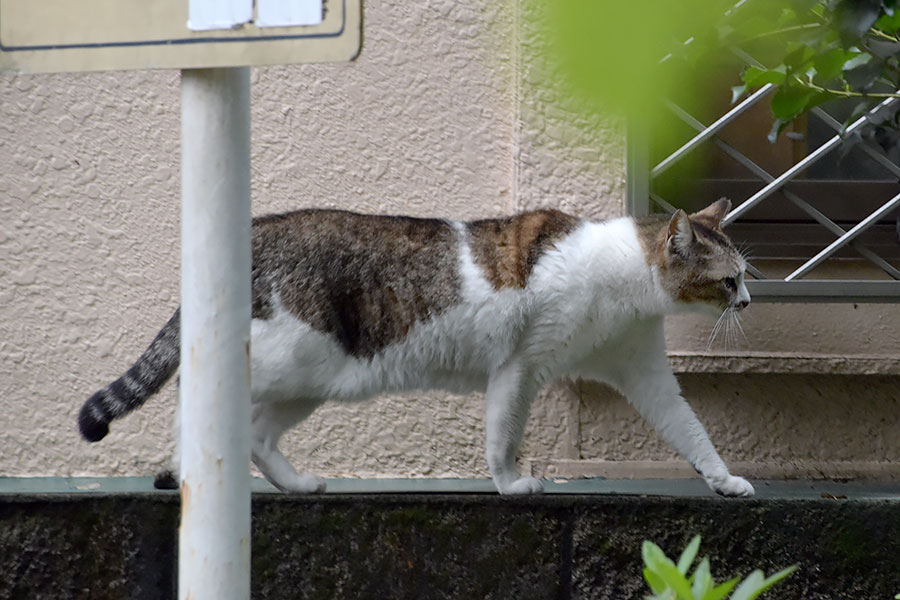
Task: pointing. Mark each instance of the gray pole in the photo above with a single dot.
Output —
(214, 538)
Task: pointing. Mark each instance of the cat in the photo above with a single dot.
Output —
(347, 306)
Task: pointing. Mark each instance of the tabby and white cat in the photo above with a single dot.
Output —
(348, 306)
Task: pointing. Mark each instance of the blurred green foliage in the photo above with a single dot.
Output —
(670, 580)
(825, 50)
(623, 57)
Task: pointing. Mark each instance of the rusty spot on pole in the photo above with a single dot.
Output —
(185, 496)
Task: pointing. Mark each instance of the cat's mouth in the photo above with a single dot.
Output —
(739, 305)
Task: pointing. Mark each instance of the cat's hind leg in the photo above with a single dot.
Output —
(167, 478)
(508, 399)
(270, 421)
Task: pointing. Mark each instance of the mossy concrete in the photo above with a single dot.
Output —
(467, 546)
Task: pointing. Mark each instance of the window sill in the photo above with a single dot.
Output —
(689, 362)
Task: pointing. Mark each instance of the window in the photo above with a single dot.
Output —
(818, 210)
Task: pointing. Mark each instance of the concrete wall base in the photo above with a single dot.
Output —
(466, 546)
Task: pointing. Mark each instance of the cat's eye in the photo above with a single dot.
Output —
(730, 283)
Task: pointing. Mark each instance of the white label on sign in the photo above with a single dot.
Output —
(218, 14)
(284, 13)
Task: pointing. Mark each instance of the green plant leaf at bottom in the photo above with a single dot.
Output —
(655, 582)
(756, 583)
(721, 590)
(663, 567)
(688, 555)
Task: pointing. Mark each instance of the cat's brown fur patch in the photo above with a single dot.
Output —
(651, 234)
(507, 249)
(364, 279)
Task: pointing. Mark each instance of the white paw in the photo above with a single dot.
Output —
(732, 486)
(521, 486)
(303, 484)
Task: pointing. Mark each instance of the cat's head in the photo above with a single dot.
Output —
(699, 264)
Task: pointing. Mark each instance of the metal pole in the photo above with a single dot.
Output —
(214, 538)
(637, 168)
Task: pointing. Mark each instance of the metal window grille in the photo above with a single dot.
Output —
(863, 237)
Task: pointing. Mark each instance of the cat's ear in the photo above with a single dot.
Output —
(715, 212)
(680, 234)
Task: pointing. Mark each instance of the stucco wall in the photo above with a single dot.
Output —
(449, 112)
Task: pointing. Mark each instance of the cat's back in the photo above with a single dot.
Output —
(368, 280)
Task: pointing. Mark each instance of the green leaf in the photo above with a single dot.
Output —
(721, 590)
(655, 582)
(790, 101)
(749, 586)
(652, 554)
(662, 566)
(797, 58)
(856, 59)
(776, 577)
(777, 126)
(737, 92)
(687, 557)
(830, 63)
(701, 580)
(889, 23)
(787, 17)
(756, 583)
(755, 77)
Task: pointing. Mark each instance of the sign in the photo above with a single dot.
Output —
(44, 36)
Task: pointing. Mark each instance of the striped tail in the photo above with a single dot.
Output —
(155, 366)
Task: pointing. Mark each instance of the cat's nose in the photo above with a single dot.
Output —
(743, 304)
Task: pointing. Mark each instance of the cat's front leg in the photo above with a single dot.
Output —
(730, 485)
(657, 396)
(508, 399)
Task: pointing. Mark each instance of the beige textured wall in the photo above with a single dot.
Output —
(448, 111)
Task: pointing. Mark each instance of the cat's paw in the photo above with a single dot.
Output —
(732, 486)
(304, 484)
(166, 479)
(522, 486)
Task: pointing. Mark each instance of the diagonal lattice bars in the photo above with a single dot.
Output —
(802, 204)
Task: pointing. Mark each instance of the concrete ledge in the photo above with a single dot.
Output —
(813, 471)
(792, 364)
(97, 544)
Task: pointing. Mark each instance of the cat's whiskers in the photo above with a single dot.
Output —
(740, 328)
(744, 250)
(717, 328)
(733, 327)
(729, 328)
